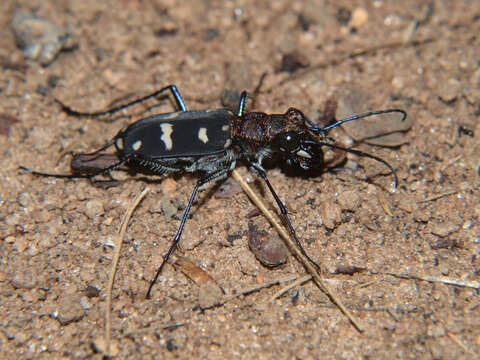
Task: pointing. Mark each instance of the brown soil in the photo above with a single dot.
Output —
(56, 234)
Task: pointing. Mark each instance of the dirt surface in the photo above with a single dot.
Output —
(57, 235)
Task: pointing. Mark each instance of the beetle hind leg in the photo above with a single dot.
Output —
(172, 88)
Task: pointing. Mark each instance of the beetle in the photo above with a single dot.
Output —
(211, 142)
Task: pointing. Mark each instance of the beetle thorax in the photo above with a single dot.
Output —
(258, 127)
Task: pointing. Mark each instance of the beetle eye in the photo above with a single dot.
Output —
(289, 141)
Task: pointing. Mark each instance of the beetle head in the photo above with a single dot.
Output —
(298, 150)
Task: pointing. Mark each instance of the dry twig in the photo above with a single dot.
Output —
(438, 196)
(250, 290)
(439, 279)
(457, 341)
(116, 258)
(317, 278)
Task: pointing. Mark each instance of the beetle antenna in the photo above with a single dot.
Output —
(325, 129)
(358, 153)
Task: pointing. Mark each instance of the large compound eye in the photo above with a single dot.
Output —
(289, 141)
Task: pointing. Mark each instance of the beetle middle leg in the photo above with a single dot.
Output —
(175, 239)
(205, 179)
(242, 103)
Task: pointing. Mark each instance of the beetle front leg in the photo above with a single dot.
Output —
(283, 210)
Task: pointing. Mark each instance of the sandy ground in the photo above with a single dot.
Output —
(57, 235)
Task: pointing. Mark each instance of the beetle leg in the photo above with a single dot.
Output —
(207, 178)
(78, 175)
(172, 88)
(241, 104)
(283, 210)
(160, 168)
(175, 239)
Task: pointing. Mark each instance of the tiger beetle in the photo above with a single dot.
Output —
(210, 142)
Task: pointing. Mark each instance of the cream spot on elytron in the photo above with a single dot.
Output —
(167, 130)
(202, 135)
(225, 128)
(137, 145)
(120, 143)
(170, 116)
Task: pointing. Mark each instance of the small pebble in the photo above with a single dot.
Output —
(107, 241)
(443, 230)
(100, 346)
(39, 39)
(349, 200)
(268, 249)
(21, 244)
(348, 269)
(331, 214)
(94, 208)
(449, 90)
(398, 83)
(292, 62)
(359, 17)
(91, 291)
(422, 215)
(68, 310)
(24, 279)
(85, 303)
